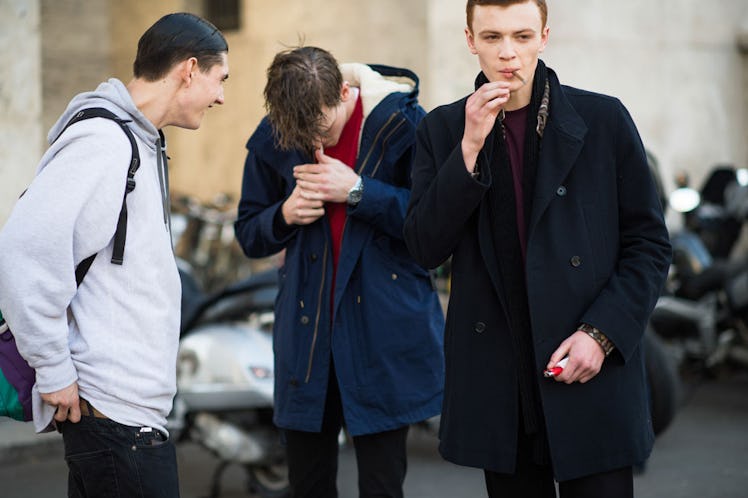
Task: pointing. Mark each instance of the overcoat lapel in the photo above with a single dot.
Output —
(561, 144)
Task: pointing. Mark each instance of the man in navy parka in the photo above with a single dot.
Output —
(358, 325)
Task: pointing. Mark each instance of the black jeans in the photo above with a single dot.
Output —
(617, 483)
(110, 460)
(313, 457)
(531, 480)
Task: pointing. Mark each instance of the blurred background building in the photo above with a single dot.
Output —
(680, 66)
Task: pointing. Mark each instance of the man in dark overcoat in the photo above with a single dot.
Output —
(541, 195)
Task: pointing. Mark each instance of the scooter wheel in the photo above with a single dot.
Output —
(269, 481)
(663, 382)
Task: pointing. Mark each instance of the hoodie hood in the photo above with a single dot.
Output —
(111, 95)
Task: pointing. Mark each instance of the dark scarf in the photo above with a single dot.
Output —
(503, 217)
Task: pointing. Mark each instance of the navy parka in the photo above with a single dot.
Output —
(597, 252)
(385, 328)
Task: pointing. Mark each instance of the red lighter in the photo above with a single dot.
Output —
(552, 372)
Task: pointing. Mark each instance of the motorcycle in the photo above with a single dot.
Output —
(703, 316)
(203, 235)
(224, 398)
(663, 382)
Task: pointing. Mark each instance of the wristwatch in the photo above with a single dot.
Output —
(356, 192)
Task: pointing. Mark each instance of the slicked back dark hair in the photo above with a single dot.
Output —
(300, 82)
(174, 38)
(471, 4)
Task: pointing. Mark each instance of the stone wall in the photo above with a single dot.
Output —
(76, 53)
(20, 98)
(394, 32)
(675, 64)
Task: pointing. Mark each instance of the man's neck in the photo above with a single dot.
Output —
(148, 97)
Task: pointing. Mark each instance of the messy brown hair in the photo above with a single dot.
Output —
(300, 82)
(503, 3)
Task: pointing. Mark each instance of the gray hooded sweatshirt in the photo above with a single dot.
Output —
(117, 334)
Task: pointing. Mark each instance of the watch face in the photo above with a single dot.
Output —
(355, 196)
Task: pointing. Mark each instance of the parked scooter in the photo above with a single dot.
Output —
(224, 398)
(663, 381)
(203, 234)
(703, 318)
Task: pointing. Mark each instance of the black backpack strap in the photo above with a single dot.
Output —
(120, 233)
(82, 269)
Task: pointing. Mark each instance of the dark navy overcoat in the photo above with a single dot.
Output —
(597, 252)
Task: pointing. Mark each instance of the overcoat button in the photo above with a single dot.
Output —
(294, 382)
(394, 276)
(304, 319)
(561, 191)
(576, 261)
(480, 327)
(313, 257)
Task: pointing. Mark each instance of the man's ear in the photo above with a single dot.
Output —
(186, 69)
(345, 91)
(470, 41)
(544, 38)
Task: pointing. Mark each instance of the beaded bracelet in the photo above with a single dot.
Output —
(599, 337)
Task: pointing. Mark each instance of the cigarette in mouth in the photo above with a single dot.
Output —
(519, 77)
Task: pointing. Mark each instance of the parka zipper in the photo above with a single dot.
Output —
(384, 142)
(324, 256)
(316, 320)
(376, 138)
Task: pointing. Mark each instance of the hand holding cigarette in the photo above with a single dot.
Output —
(482, 108)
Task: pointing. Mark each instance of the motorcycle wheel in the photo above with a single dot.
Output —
(269, 481)
(663, 382)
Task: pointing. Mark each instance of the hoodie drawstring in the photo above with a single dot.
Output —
(163, 178)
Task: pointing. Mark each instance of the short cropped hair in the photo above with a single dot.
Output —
(503, 3)
(300, 82)
(174, 38)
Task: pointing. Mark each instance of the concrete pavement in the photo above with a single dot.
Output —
(702, 455)
(19, 444)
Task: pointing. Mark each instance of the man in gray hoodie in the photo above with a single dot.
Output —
(105, 352)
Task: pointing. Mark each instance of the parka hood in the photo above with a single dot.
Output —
(374, 86)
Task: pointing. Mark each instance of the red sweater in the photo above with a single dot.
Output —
(346, 151)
